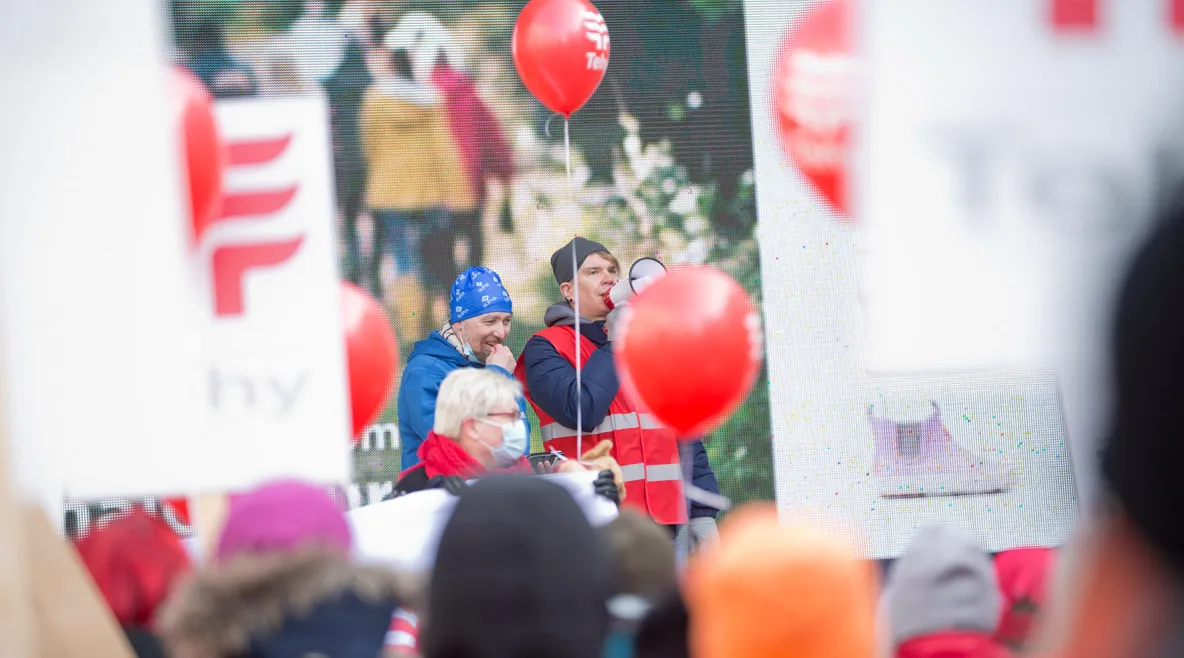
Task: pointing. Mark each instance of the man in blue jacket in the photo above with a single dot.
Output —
(473, 337)
(551, 378)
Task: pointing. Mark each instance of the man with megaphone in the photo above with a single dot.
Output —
(647, 452)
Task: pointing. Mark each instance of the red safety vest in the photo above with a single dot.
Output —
(646, 451)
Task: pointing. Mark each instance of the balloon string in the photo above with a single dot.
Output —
(576, 295)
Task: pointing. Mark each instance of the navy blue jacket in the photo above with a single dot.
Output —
(551, 380)
(429, 363)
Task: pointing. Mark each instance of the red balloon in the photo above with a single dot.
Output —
(813, 89)
(371, 353)
(561, 50)
(689, 348)
(205, 156)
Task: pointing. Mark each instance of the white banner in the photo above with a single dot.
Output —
(274, 387)
(98, 331)
(1012, 155)
(984, 450)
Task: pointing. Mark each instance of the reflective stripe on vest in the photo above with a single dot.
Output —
(654, 473)
(611, 422)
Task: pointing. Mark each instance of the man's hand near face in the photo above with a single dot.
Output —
(502, 357)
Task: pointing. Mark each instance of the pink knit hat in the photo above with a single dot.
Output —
(283, 516)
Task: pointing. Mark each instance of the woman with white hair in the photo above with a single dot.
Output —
(478, 430)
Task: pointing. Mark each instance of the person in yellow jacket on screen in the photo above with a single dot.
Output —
(416, 181)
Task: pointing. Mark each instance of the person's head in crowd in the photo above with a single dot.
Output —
(773, 590)
(283, 584)
(428, 41)
(942, 597)
(480, 312)
(479, 410)
(663, 632)
(645, 569)
(283, 516)
(401, 64)
(519, 572)
(1124, 597)
(135, 560)
(1023, 576)
(642, 553)
(599, 271)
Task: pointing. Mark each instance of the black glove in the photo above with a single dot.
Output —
(453, 484)
(606, 486)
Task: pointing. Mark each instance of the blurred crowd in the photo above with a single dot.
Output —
(414, 144)
(521, 569)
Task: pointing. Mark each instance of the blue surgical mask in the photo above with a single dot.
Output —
(465, 348)
(513, 443)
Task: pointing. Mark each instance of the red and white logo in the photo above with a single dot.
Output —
(1084, 15)
(275, 384)
(596, 31)
(231, 262)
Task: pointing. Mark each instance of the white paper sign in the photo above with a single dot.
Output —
(274, 387)
(403, 533)
(98, 343)
(1010, 161)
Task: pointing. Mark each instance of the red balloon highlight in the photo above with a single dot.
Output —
(561, 51)
(372, 355)
(813, 97)
(689, 349)
(205, 155)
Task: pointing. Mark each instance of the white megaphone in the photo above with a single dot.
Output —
(643, 273)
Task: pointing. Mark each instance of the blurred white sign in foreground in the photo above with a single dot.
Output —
(1011, 158)
(99, 349)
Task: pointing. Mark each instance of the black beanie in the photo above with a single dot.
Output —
(561, 263)
(1142, 456)
(519, 572)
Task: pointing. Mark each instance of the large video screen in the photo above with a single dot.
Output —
(438, 168)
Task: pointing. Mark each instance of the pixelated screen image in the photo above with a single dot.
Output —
(443, 159)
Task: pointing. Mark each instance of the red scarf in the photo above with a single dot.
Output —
(443, 456)
(952, 644)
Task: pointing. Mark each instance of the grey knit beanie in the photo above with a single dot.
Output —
(943, 582)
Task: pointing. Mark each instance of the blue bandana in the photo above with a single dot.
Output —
(477, 291)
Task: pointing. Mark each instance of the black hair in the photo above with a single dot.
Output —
(401, 63)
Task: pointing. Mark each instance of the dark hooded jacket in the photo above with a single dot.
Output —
(281, 605)
(519, 572)
(551, 380)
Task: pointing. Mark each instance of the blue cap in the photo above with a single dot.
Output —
(477, 291)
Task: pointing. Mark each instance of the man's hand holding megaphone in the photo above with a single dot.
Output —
(642, 274)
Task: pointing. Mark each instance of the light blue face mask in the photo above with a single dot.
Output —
(513, 442)
(465, 348)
